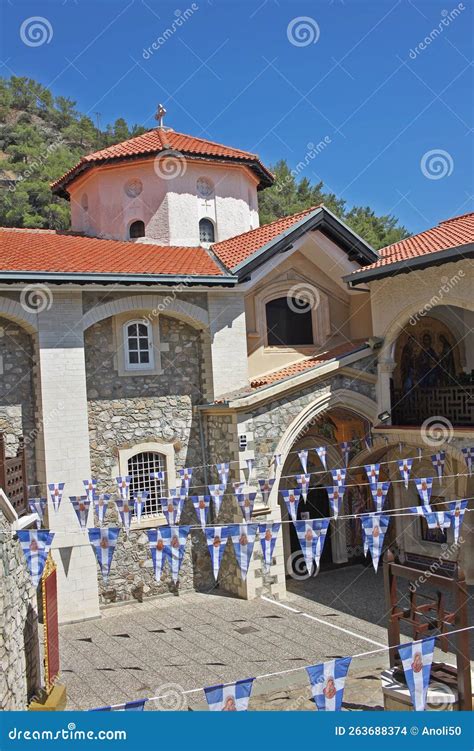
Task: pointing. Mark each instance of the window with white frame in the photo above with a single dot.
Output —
(206, 231)
(138, 344)
(140, 467)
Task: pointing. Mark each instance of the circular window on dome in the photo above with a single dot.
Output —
(204, 187)
(134, 187)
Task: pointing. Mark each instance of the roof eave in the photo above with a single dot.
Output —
(99, 278)
(435, 258)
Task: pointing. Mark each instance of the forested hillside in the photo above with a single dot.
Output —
(42, 136)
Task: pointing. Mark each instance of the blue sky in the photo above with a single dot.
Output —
(397, 119)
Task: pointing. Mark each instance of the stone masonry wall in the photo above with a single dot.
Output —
(20, 675)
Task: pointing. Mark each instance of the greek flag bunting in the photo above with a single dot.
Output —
(246, 503)
(435, 519)
(405, 465)
(201, 505)
(231, 697)
(345, 451)
(175, 547)
(157, 544)
(424, 486)
(303, 485)
(336, 496)
(81, 505)
(379, 494)
(420, 510)
(35, 544)
(439, 461)
(217, 494)
(134, 706)
(327, 683)
(292, 499)
(372, 471)
(186, 477)
(339, 476)
(216, 539)
(416, 659)
(374, 527)
(160, 476)
(223, 472)
(243, 539)
(38, 506)
(123, 485)
(322, 453)
(268, 533)
(101, 502)
(139, 502)
(90, 486)
(125, 512)
(56, 490)
(311, 535)
(456, 511)
(303, 456)
(103, 541)
(265, 489)
(469, 457)
(173, 508)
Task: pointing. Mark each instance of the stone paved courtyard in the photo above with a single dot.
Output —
(138, 650)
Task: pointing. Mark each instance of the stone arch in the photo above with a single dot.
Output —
(15, 312)
(163, 304)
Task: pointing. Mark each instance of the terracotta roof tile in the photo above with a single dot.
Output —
(236, 249)
(49, 251)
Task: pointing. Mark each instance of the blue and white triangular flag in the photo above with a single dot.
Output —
(90, 486)
(435, 519)
(303, 457)
(157, 544)
(311, 536)
(35, 544)
(336, 496)
(379, 494)
(246, 503)
(101, 502)
(139, 503)
(81, 505)
(201, 505)
(345, 451)
(456, 511)
(173, 508)
(303, 485)
(125, 512)
(322, 453)
(292, 499)
(439, 462)
(175, 547)
(374, 527)
(123, 485)
(416, 659)
(327, 683)
(265, 489)
(405, 465)
(186, 476)
(339, 476)
(56, 490)
(223, 472)
(372, 471)
(468, 452)
(217, 494)
(424, 486)
(216, 539)
(38, 506)
(103, 541)
(160, 476)
(128, 706)
(230, 697)
(243, 539)
(268, 533)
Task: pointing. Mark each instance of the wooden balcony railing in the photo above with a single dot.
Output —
(455, 403)
(13, 476)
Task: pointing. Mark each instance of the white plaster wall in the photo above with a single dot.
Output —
(228, 342)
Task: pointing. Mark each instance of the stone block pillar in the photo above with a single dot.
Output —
(228, 342)
(63, 448)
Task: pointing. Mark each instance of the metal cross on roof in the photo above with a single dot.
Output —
(160, 113)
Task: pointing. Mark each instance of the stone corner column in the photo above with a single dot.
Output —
(227, 329)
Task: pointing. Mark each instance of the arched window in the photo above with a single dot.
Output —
(206, 231)
(140, 467)
(137, 229)
(138, 344)
(289, 322)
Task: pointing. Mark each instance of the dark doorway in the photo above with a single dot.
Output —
(317, 506)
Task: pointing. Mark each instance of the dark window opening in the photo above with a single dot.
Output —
(206, 231)
(289, 322)
(137, 229)
(140, 467)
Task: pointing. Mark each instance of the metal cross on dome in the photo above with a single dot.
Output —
(160, 113)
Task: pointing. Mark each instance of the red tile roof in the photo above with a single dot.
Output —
(309, 362)
(159, 140)
(448, 234)
(236, 249)
(49, 251)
